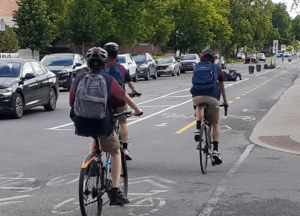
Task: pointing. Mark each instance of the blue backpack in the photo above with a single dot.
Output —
(205, 77)
(116, 73)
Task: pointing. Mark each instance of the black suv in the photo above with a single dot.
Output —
(146, 65)
(26, 83)
(66, 66)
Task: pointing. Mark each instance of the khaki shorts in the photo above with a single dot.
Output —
(213, 108)
(122, 118)
(110, 143)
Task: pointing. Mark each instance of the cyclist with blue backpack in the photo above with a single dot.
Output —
(93, 96)
(117, 71)
(207, 88)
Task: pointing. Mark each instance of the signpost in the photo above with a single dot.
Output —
(2, 25)
(282, 47)
(275, 49)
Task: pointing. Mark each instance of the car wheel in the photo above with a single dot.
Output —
(158, 75)
(51, 105)
(155, 75)
(18, 107)
(135, 78)
(182, 71)
(148, 75)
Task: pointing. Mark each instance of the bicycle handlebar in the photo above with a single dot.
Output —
(132, 95)
(127, 113)
(225, 108)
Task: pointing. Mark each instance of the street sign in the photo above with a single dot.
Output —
(2, 25)
(283, 47)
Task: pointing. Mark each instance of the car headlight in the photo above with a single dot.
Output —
(170, 67)
(6, 92)
(143, 66)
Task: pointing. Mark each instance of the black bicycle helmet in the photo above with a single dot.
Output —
(112, 48)
(96, 56)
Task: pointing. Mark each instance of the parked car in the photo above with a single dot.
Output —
(146, 65)
(261, 57)
(241, 56)
(223, 62)
(251, 58)
(287, 54)
(167, 66)
(280, 53)
(66, 66)
(188, 62)
(129, 64)
(26, 83)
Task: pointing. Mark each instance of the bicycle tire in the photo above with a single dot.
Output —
(124, 175)
(203, 150)
(90, 200)
(209, 144)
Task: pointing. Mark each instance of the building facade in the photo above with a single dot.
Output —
(7, 7)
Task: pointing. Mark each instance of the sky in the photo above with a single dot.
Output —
(289, 3)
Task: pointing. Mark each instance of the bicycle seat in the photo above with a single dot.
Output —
(202, 105)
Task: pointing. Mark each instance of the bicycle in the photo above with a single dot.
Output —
(205, 151)
(95, 177)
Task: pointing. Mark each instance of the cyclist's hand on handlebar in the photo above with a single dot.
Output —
(225, 104)
(137, 112)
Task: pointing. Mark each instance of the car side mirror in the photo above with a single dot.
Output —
(28, 76)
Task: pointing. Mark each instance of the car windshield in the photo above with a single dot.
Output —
(164, 60)
(240, 54)
(252, 55)
(139, 58)
(57, 60)
(9, 69)
(188, 57)
(286, 53)
(260, 54)
(121, 59)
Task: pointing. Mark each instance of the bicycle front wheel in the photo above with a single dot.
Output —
(203, 150)
(124, 175)
(90, 198)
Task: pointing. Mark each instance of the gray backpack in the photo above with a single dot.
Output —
(91, 97)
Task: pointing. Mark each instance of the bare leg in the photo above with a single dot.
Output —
(92, 147)
(116, 168)
(199, 114)
(216, 131)
(124, 132)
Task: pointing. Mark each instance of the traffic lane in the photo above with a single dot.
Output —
(266, 184)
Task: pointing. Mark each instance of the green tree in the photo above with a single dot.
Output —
(34, 29)
(296, 27)
(196, 25)
(282, 21)
(8, 40)
(87, 22)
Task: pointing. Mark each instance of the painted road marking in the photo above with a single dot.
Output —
(215, 198)
(3, 201)
(185, 128)
(237, 98)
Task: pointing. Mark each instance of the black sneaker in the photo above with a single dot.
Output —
(117, 197)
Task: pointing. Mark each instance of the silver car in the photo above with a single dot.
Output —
(188, 62)
(129, 64)
(167, 66)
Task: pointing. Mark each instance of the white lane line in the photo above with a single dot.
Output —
(263, 73)
(215, 198)
(161, 111)
(154, 114)
(162, 96)
(15, 197)
(158, 106)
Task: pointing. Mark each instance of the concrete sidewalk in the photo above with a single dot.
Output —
(280, 128)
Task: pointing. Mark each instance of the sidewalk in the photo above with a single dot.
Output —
(280, 128)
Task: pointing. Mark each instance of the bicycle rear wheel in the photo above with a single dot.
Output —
(203, 150)
(90, 198)
(124, 175)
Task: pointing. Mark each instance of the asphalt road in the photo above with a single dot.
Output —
(41, 157)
